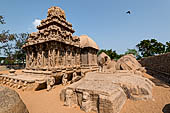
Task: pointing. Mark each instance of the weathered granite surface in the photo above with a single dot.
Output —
(158, 66)
(10, 102)
(106, 93)
(129, 62)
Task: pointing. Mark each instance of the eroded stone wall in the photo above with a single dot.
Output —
(158, 66)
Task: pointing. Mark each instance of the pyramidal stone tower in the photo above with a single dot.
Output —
(54, 55)
(53, 47)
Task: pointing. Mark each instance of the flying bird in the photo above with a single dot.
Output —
(128, 12)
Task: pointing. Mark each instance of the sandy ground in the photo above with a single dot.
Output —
(49, 102)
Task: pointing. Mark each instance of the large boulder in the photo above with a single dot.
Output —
(129, 62)
(106, 92)
(102, 97)
(111, 67)
(106, 64)
(135, 87)
(103, 59)
(10, 102)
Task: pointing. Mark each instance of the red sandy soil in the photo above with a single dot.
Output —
(49, 102)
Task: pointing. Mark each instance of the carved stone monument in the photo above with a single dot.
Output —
(53, 51)
(106, 93)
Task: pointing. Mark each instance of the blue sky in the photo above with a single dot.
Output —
(105, 21)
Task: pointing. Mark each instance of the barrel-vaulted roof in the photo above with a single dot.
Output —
(86, 41)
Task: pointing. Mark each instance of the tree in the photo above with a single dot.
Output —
(11, 45)
(150, 47)
(19, 52)
(2, 20)
(6, 44)
(134, 52)
(112, 54)
(167, 46)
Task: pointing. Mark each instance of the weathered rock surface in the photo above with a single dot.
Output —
(106, 93)
(135, 87)
(111, 67)
(107, 65)
(103, 58)
(96, 96)
(10, 102)
(129, 62)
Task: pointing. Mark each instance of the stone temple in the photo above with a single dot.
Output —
(54, 54)
(54, 49)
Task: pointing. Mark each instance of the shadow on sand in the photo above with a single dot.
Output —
(160, 83)
(166, 108)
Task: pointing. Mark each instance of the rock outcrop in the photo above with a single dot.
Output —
(135, 87)
(106, 64)
(10, 102)
(103, 59)
(111, 67)
(101, 97)
(106, 93)
(129, 62)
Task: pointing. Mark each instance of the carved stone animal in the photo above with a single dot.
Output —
(103, 59)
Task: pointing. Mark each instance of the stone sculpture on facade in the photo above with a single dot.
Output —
(68, 97)
(86, 102)
(53, 51)
(64, 79)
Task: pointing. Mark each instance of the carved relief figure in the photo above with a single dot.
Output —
(64, 79)
(56, 59)
(50, 82)
(86, 102)
(68, 57)
(68, 98)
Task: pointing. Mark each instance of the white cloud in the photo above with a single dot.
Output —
(36, 22)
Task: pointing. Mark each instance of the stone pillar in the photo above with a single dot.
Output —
(64, 57)
(49, 58)
(27, 59)
(78, 57)
(32, 59)
(38, 59)
(61, 57)
(73, 57)
(45, 55)
(53, 58)
(42, 58)
(68, 57)
(89, 57)
(56, 57)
